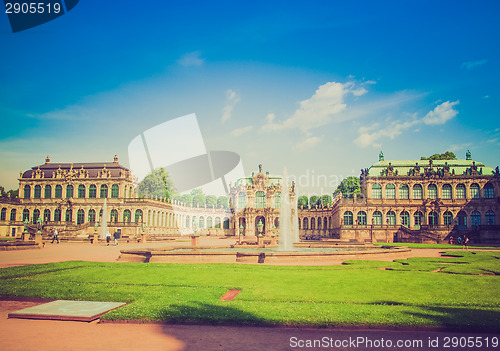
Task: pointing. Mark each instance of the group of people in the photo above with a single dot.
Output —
(116, 236)
(464, 241)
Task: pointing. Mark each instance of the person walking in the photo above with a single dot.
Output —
(466, 243)
(55, 236)
(116, 237)
(108, 237)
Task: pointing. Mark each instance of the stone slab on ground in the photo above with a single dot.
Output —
(84, 311)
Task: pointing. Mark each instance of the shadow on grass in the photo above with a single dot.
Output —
(203, 313)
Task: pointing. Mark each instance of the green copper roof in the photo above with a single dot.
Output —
(403, 166)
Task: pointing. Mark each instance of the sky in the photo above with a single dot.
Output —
(318, 87)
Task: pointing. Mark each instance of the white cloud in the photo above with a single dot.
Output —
(240, 131)
(308, 143)
(472, 64)
(441, 114)
(232, 98)
(191, 59)
(359, 92)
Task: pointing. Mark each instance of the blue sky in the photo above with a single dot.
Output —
(319, 87)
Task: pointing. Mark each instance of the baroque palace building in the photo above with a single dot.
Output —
(408, 200)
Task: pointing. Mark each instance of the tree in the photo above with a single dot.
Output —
(211, 201)
(302, 201)
(448, 155)
(314, 201)
(348, 187)
(222, 201)
(199, 199)
(325, 200)
(187, 199)
(156, 183)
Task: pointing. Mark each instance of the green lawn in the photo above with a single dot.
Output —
(461, 291)
(437, 246)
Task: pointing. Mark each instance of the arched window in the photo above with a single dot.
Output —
(447, 194)
(92, 216)
(26, 215)
(13, 213)
(38, 192)
(490, 217)
(114, 191)
(474, 191)
(462, 220)
(489, 193)
(126, 216)
(277, 200)
(226, 223)
(313, 223)
(377, 218)
(418, 192)
(114, 216)
(46, 215)
(48, 192)
(260, 199)
(138, 216)
(80, 217)
(319, 222)
(390, 191)
(432, 191)
(325, 223)
(57, 215)
(376, 191)
(405, 219)
(81, 191)
(58, 193)
(404, 191)
(27, 191)
(36, 215)
(201, 222)
(460, 191)
(448, 218)
(306, 223)
(3, 214)
(209, 222)
(217, 222)
(362, 218)
(418, 217)
(391, 218)
(433, 219)
(104, 191)
(242, 200)
(92, 191)
(69, 216)
(475, 218)
(69, 191)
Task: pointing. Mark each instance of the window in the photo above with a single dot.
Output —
(460, 191)
(490, 217)
(377, 218)
(69, 216)
(390, 191)
(92, 216)
(432, 191)
(433, 219)
(104, 191)
(26, 215)
(489, 193)
(404, 191)
(48, 192)
(46, 215)
(13, 215)
(418, 216)
(325, 223)
(475, 218)
(405, 218)
(81, 191)
(319, 223)
(226, 223)
(38, 192)
(391, 218)
(69, 191)
(217, 222)
(92, 191)
(462, 220)
(114, 191)
(209, 222)
(201, 222)
(242, 200)
(126, 216)
(306, 223)
(80, 217)
(277, 200)
(138, 216)
(313, 223)
(260, 199)
(27, 191)
(418, 192)
(377, 191)
(114, 216)
(3, 214)
(447, 192)
(448, 218)
(57, 215)
(58, 193)
(362, 218)
(474, 191)
(36, 215)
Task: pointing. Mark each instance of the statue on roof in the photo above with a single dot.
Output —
(381, 156)
(260, 168)
(468, 155)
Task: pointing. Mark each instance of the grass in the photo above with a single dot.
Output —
(461, 290)
(437, 246)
